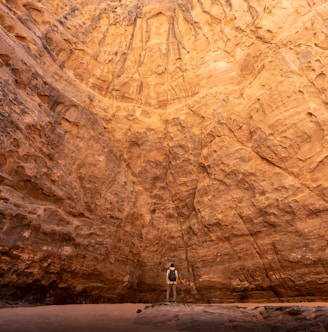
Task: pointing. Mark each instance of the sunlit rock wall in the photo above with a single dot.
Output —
(137, 133)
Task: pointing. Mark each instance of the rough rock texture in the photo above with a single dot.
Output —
(222, 318)
(136, 133)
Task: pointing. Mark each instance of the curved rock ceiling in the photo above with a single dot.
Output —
(136, 133)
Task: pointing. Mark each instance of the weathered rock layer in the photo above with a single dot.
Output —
(136, 133)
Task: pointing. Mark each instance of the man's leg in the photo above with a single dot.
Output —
(168, 293)
(174, 286)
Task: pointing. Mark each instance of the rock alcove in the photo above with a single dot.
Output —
(137, 133)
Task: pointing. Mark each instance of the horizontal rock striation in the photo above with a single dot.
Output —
(136, 133)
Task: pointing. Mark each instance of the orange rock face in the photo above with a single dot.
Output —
(137, 133)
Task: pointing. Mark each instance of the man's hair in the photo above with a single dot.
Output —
(172, 265)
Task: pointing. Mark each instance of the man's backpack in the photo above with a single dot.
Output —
(172, 276)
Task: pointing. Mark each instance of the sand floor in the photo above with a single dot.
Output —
(71, 318)
(311, 317)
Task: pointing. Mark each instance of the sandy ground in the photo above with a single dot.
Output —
(71, 318)
(311, 317)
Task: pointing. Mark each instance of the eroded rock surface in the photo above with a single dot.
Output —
(235, 318)
(136, 133)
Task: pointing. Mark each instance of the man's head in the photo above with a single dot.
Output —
(172, 264)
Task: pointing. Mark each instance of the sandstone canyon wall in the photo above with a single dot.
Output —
(136, 133)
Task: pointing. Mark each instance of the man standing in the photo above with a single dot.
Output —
(171, 281)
